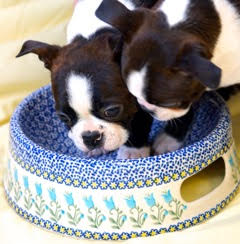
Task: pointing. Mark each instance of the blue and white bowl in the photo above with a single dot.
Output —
(50, 183)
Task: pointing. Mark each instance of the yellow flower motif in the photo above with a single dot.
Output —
(25, 216)
(38, 172)
(27, 166)
(17, 209)
(157, 181)
(96, 236)
(223, 204)
(30, 218)
(41, 223)
(214, 158)
(231, 197)
(222, 151)
(35, 221)
(78, 233)
(52, 176)
(115, 237)
(183, 174)
(22, 164)
(133, 235)
(130, 184)
(62, 230)
(69, 231)
(203, 165)
(105, 236)
(124, 237)
(20, 212)
(144, 234)
(197, 167)
(113, 185)
(48, 225)
(172, 229)
(45, 174)
(175, 176)
(139, 183)
(218, 208)
(180, 226)
(188, 223)
(88, 235)
(207, 215)
(104, 185)
(201, 218)
(55, 227)
(59, 179)
(84, 183)
(191, 170)
(153, 233)
(195, 221)
(209, 161)
(225, 148)
(68, 181)
(76, 182)
(94, 185)
(213, 212)
(31, 169)
(121, 185)
(166, 178)
(149, 182)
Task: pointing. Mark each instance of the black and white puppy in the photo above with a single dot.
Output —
(90, 95)
(175, 51)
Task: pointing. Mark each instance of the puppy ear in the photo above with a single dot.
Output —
(116, 14)
(197, 64)
(46, 53)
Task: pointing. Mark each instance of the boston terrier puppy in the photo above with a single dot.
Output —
(174, 52)
(90, 95)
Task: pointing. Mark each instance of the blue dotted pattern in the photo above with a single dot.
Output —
(40, 139)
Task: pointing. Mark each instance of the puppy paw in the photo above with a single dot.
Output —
(125, 152)
(164, 143)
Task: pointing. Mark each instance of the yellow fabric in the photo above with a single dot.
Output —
(46, 20)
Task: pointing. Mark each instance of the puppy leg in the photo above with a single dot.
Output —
(173, 136)
(137, 145)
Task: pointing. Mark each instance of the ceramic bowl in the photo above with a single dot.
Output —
(50, 183)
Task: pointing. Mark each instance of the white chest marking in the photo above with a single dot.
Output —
(227, 51)
(80, 95)
(84, 21)
(175, 10)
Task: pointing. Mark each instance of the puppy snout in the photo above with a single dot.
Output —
(92, 139)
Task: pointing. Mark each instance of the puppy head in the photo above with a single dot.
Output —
(167, 69)
(90, 95)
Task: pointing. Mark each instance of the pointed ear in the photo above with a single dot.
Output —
(117, 15)
(46, 53)
(195, 63)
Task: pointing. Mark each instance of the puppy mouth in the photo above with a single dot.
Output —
(96, 152)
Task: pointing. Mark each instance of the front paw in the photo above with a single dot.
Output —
(125, 152)
(164, 143)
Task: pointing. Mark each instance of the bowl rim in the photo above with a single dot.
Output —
(16, 126)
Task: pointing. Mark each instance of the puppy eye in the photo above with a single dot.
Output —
(113, 111)
(65, 118)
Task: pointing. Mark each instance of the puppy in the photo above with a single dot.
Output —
(90, 95)
(174, 52)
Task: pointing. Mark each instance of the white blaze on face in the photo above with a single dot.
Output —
(175, 10)
(80, 100)
(136, 85)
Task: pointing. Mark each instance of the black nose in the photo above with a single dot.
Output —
(92, 139)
